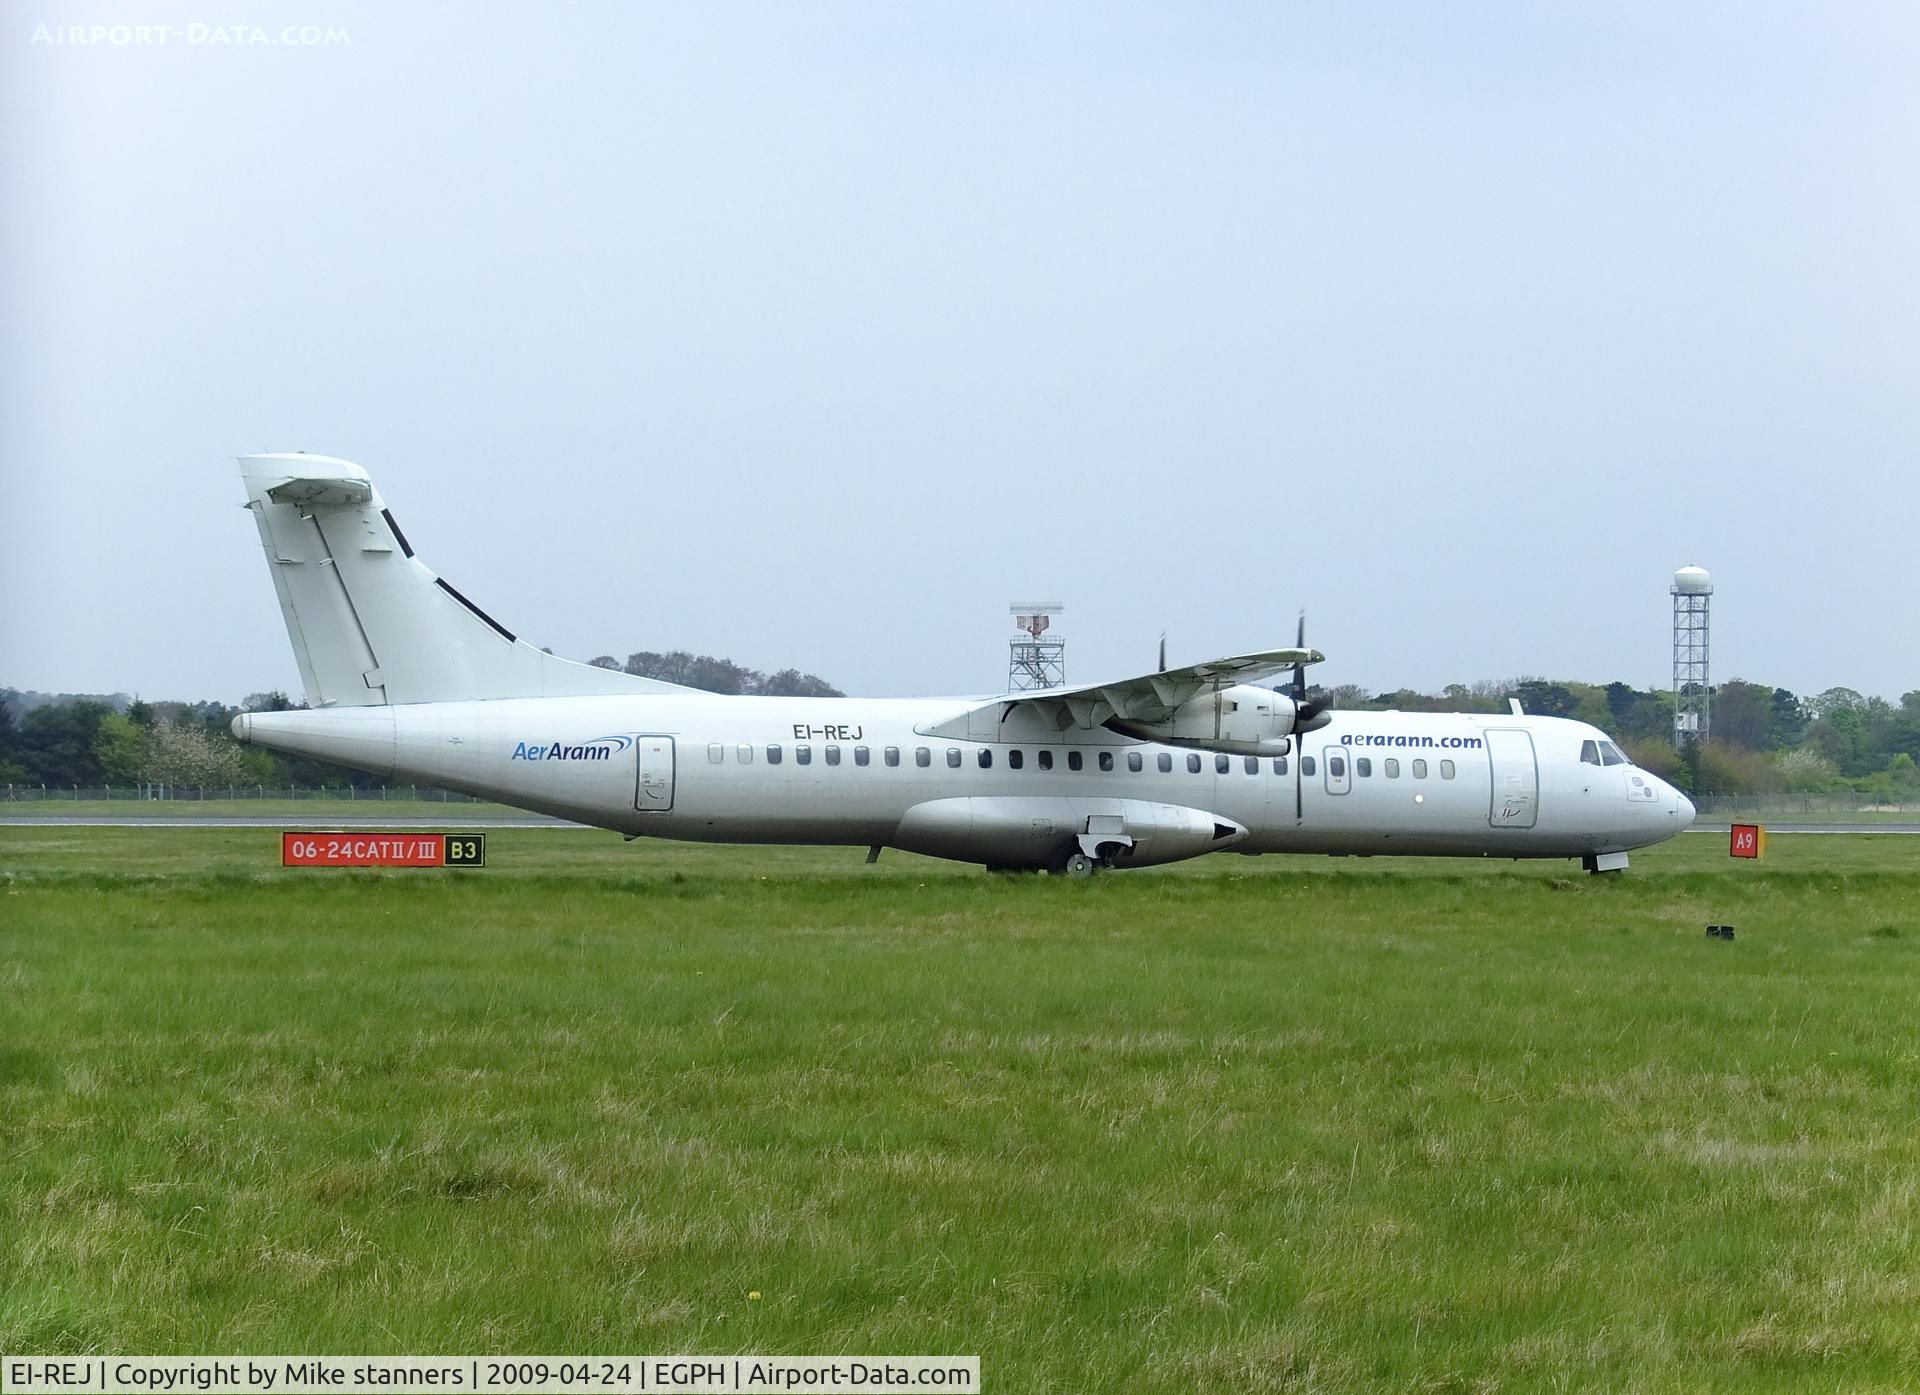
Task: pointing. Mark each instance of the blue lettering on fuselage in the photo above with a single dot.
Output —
(1458, 743)
(559, 750)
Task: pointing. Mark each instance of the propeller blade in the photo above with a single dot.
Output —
(1300, 670)
(1163, 651)
(1299, 707)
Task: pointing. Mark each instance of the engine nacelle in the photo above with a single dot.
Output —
(1243, 720)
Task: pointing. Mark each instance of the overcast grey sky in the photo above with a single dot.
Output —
(814, 334)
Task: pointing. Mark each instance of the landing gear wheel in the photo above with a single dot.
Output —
(1080, 865)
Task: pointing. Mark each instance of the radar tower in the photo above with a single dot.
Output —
(1692, 589)
(1037, 654)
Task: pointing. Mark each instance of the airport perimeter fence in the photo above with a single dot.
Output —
(1799, 805)
(342, 794)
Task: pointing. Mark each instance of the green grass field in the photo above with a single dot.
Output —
(1242, 1125)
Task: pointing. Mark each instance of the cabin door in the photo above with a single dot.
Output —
(1516, 778)
(1339, 774)
(653, 791)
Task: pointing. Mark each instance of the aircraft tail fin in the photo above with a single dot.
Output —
(372, 624)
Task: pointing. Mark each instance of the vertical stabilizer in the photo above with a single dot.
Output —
(371, 623)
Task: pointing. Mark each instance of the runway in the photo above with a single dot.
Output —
(535, 821)
(1779, 829)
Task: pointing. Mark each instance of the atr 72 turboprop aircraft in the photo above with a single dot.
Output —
(407, 677)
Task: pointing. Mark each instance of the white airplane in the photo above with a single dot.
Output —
(407, 677)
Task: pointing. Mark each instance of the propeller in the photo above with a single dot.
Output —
(1307, 715)
(1163, 651)
(1305, 711)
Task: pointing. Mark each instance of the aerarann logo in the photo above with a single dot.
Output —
(599, 748)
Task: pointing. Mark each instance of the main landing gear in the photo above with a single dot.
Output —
(1082, 862)
(1104, 838)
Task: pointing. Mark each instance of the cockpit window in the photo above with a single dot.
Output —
(1590, 753)
(1612, 755)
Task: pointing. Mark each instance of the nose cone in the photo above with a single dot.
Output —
(242, 728)
(1683, 810)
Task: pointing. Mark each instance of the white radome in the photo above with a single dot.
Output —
(1692, 581)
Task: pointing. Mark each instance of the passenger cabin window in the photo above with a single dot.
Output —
(1362, 766)
(833, 755)
(986, 758)
(1222, 764)
(802, 753)
(773, 753)
(1165, 762)
(953, 757)
(744, 751)
(1419, 770)
(1106, 760)
(1306, 766)
(1446, 770)
(1193, 765)
(891, 755)
(1253, 765)
(922, 757)
(1590, 753)
(1337, 766)
(1045, 758)
(716, 753)
(1073, 760)
(1016, 758)
(1390, 768)
(1133, 760)
(860, 755)
(1611, 754)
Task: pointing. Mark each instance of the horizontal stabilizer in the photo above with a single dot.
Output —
(322, 491)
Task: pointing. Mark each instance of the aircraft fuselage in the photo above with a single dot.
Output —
(917, 773)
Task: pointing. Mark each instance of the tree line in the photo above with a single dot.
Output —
(95, 740)
(1764, 740)
(713, 675)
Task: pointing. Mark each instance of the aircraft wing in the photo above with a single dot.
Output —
(1152, 697)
